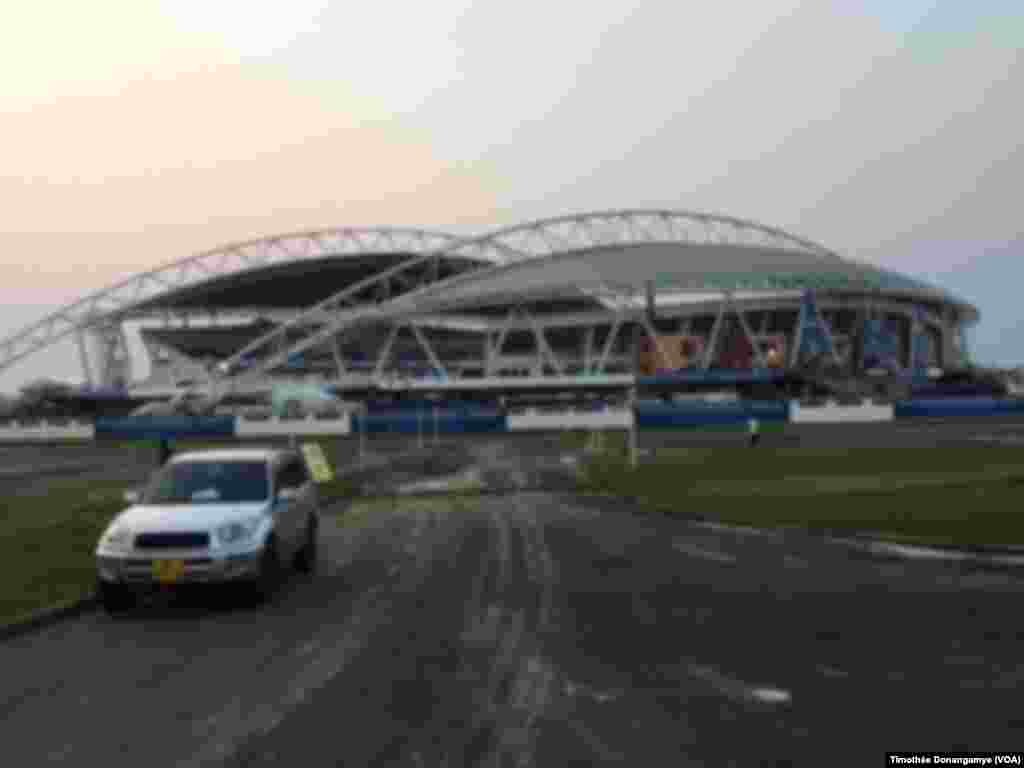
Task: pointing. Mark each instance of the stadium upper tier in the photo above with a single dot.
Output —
(382, 296)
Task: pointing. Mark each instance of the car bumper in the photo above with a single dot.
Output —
(142, 570)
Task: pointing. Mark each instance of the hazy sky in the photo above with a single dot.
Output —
(136, 132)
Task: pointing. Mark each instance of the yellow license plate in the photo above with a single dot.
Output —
(168, 571)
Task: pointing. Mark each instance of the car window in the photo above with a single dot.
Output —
(209, 482)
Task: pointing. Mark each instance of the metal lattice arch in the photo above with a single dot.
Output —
(539, 239)
(104, 310)
(433, 298)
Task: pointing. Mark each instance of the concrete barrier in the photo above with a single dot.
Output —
(43, 432)
(833, 413)
(276, 427)
(533, 420)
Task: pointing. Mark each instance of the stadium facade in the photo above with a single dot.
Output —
(693, 297)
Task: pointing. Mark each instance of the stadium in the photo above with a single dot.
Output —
(680, 302)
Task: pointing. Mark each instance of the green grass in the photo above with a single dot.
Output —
(47, 545)
(952, 496)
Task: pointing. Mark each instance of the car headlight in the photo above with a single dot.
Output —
(239, 531)
(117, 537)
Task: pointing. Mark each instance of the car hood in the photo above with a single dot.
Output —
(186, 517)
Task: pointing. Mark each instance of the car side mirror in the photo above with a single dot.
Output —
(288, 494)
(132, 496)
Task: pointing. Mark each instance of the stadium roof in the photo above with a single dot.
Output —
(676, 269)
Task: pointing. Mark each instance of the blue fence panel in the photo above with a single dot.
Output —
(656, 415)
(165, 427)
(713, 377)
(958, 407)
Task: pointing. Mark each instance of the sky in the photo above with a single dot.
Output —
(136, 132)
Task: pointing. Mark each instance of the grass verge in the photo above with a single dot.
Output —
(940, 496)
(47, 546)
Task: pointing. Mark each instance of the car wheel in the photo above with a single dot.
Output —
(270, 574)
(115, 598)
(306, 558)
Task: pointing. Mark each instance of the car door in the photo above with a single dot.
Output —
(302, 507)
(287, 513)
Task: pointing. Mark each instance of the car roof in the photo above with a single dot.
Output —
(236, 454)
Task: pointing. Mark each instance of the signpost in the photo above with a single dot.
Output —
(317, 462)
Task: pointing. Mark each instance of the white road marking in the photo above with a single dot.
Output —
(705, 554)
(772, 695)
(737, 689)
(743, 530)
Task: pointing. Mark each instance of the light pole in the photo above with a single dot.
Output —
(633, 448)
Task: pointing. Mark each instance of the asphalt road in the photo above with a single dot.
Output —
(537, 629)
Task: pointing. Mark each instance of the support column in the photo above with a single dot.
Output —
(543, 348)
(385, 351)
(588, 347)
(83, 356)
(758, 354)
(716, 330)
(613, 332)
(339, 361)
(425, 346)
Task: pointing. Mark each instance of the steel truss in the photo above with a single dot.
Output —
(534, 240)
(417, 279)
(128, 298)
(496, 330)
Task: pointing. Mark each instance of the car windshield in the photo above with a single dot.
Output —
(209, 482)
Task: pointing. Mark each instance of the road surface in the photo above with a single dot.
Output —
(537, 629)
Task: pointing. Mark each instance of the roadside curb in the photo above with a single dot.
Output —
(48, 617)
(991, 557)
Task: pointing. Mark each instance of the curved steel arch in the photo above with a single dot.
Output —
(117, 301)
(582, 231)
(522, 242)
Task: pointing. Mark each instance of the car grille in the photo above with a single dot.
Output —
(172, 541)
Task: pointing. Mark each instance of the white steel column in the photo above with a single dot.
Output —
(495, 351)
(83, 355)
(421, 339)
(543, 348)
(588, 347)
(716, 329)
(339, 361)
(385, 351)
(758, 354)
(613, 332)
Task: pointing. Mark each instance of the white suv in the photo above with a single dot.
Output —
(236, 515)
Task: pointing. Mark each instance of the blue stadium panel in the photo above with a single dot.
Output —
(958, 407)
(657, 415)
(718, 378)
(165, 427)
